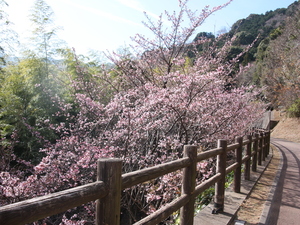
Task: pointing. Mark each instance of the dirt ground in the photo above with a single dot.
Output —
(251, 209)
(287, 128)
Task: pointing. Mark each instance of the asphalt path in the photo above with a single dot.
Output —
(285, 206)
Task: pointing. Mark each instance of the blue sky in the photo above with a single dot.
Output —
(109, 24)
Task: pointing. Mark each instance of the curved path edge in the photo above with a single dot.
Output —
(265, 216)
(233, 201)
(284, 207)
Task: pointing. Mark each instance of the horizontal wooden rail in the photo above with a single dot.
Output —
(165, 211)
(208, 154)
(206, 184)
(231, 168)
(232, 147)
(140, 176)
(37, 208)
(246, 142)
(245, 158)
(110, 183)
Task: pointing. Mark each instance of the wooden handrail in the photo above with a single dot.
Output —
(140, 176)
(37, 208)
(209, 154)
(107, 190)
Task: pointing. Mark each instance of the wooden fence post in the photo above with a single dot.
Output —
(268, 141)
(220, 185)
(264, 147)
(260, 149)
(108, 208)
(247, 163)
(238, 170)
(255, 149)
(188, 185)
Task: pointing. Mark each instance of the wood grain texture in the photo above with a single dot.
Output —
(41, 207)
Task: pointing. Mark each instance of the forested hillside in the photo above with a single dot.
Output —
(274, 58)
(60, 112)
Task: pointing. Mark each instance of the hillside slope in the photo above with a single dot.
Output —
(287, 128)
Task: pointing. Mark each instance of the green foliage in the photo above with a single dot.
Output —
(264, 26)
(262, 48)
(294, 109)
(25, 101)
(234, 52)
(244, 38)
(45, 42)
(16, 96)
(256, 30)
(206, 35)
(206, 197)
(275, 33)
(204, 41)
(256, 24)
(34, 87)
(277, 66)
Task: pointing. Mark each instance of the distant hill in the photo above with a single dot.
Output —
(274, 58)
(261, 26)
(255, 25)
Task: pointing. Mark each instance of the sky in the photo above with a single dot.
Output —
(108, 24)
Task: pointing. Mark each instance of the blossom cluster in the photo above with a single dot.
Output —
(160, 100)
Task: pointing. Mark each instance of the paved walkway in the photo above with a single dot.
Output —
(285, 206)
(233, 201)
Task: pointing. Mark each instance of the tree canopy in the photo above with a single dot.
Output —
(60, 112)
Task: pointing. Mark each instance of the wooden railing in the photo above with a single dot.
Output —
(110, 183)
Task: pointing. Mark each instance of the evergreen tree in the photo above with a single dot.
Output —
(44, 34)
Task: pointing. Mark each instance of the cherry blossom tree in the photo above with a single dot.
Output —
(160, 100)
